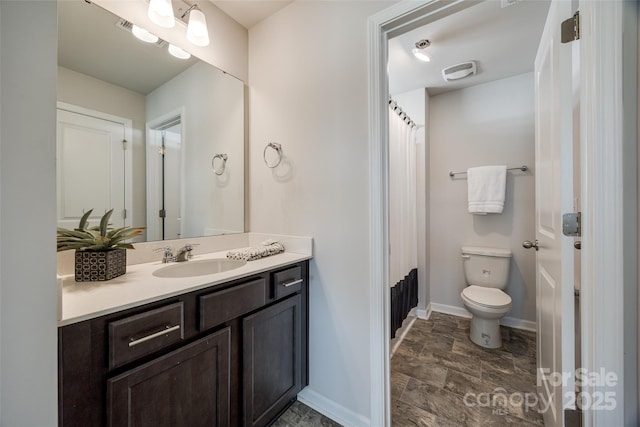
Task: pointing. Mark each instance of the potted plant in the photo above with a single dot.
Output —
(101, 252)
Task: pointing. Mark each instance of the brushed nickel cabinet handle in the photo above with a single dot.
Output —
(165, 331)
(292, 283)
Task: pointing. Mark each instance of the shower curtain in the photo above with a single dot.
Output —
(403, 238)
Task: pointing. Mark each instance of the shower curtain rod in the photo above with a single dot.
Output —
(394, 105)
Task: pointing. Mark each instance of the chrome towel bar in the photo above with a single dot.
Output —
(523, 168)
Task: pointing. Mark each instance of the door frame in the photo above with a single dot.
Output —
(127, 124)
(602, 155)
(603, 192)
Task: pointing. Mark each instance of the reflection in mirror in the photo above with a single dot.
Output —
(138, 130)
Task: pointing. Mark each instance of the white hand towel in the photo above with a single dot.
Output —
(486, 189)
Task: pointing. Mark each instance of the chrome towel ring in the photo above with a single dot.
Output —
(223, 158)
(278, 148)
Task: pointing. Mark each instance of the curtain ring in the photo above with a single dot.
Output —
(223, 159)
(278, 149)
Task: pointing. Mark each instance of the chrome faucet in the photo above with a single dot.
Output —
(168, 254)
(184, 253)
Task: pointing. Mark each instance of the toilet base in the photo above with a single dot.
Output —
(486, 332)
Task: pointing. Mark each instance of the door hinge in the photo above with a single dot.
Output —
(572, 224)
(124, 144)
(573, 418)
(162, 213)
(124, 214)
(570, 29)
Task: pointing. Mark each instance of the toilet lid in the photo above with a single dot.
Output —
(489, 297)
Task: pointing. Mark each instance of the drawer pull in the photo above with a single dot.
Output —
(167, 329)
(292, 283)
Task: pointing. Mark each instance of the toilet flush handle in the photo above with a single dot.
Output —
(527, 244)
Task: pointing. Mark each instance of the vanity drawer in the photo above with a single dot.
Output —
(136, 336)
(219, 307)
(287, 281)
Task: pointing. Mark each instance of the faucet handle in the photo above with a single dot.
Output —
(168, 253)
(188, 247)
(167, 250)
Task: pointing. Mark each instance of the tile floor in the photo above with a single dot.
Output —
(433, 369)
(440, 378)
(300, 415)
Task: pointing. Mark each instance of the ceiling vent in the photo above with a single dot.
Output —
(459, 71)
(125, 25)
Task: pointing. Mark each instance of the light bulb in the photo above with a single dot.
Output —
(420, 54)
(178, 53)
(143, 34)
(197, 30)
(161, 13)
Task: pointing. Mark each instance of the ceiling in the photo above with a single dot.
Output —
(249, 12)
(502, 41)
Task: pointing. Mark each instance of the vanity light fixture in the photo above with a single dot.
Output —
(197, 28)
(161, 13)
(420, 50)
(144, 35)
(178, 53)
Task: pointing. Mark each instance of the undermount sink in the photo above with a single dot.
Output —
(198, 268)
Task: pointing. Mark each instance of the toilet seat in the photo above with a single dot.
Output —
(486, 297)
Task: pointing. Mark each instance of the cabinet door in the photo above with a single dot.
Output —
(272, 360)
(187, 387)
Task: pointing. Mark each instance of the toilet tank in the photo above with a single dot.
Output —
(488, 267)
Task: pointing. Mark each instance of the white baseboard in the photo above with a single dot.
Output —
(331, 409)
(511, 322)
(424, 314)
(404, 330)
(450, 309)
(515, 323)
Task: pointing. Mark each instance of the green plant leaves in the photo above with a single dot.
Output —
(104, 222)
(84, 221)
(99, 238)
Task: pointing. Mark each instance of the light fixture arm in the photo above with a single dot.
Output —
(186, 12)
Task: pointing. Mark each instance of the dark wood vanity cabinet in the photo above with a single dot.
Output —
(189, 386)
(271, 360)
(229, 355)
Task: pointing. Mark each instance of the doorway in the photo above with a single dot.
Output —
(165, 178)
(599, 135)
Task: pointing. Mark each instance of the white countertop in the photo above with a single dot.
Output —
(86, 300)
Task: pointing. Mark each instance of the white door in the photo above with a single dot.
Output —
(90, 169)
(554, 196)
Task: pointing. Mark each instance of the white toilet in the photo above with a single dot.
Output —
(486, 271)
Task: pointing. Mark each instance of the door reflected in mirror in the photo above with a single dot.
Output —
(166, 120)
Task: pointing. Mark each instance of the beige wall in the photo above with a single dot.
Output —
(488, 124)
(28, 300)
(309, 92)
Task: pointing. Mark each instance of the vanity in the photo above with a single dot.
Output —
(194, 343)
(222, 349)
